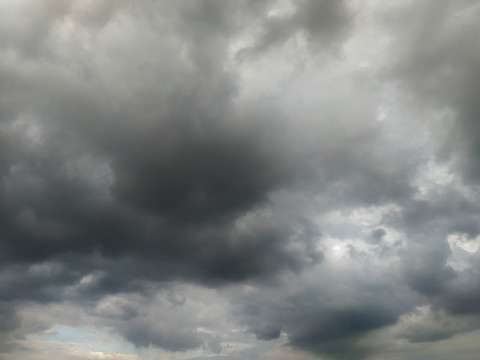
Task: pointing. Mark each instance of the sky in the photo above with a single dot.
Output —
(239, 180)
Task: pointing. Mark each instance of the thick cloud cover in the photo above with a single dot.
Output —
(239, 179)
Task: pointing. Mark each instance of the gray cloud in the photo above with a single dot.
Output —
(321, 198)
(323, 23)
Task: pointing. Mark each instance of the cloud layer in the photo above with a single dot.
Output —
(239, 180)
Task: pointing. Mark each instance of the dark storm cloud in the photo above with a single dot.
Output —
(182, 173)
(129, 160)
(198, 175)
(38, 282)
(182, 166)
(330, 334)
(267, 332)
(323, 320)
(189, 180)
(141, 335)
(185, 169)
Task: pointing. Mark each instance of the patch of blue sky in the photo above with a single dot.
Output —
(98, 340)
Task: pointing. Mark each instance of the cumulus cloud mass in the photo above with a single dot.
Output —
(239, 179)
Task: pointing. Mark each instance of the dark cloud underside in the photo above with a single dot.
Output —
(225, 177)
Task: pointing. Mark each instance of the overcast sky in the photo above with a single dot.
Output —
(239, 179)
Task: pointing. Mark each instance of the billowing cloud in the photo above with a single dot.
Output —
(239, 180)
